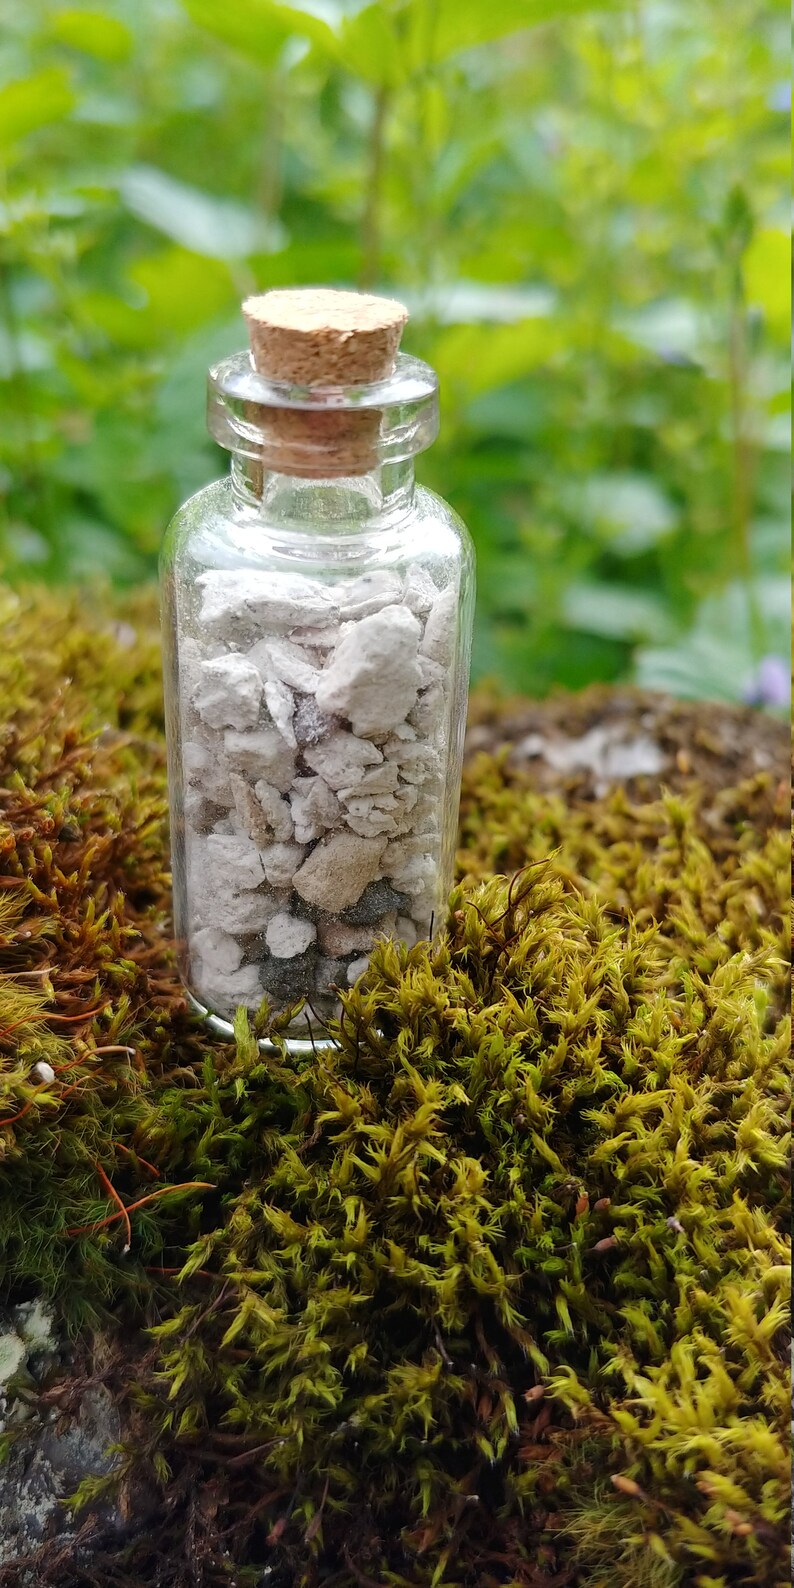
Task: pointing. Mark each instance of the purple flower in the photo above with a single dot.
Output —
(771, 685)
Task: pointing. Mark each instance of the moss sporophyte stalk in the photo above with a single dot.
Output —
(491, 1292)
(318, 621)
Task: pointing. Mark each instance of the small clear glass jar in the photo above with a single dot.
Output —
(317, 635)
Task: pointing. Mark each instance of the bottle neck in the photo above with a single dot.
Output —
(349, 506)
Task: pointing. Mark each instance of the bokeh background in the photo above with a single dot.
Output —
(584, 207)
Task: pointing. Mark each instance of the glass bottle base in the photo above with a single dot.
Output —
(297, 1046)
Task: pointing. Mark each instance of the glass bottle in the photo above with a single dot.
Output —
(317, 615)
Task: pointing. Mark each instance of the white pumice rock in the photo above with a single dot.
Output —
(316, 639)
(261, 753)
(281, 861)
(438, 640)
(341, 757)
(416, 762)
(315, 808)
(373, 677)
(416, 876)
(226, 862)
(357, 968)
(404, 732)
(406, 797)
(207, 775)
(239, 602)
(291, 664)
(368, 594)
(370, 822)
(43, 1072)
(336, 873)
(229, 692)
(429, 714)
(250, 815)
(225, 992)
(287, 935)
(431, 672)
(243, 913)
(280, 703)
(406, 931)
(420, 592)
(216, 951)
(381, 779)
(276, 810)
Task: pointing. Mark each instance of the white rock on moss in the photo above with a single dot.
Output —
(336, 873)
(238, 601)
(341, 757)
(261, 754)
(438, 640)
(357, 968)
(287, 935)
(372, 678)
(218, 953)
(277, 813)
(368, 594)
(13, 1356)
(281, 861)
(229, 692)
(280, 703)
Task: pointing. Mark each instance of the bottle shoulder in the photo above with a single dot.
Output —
(209, 531)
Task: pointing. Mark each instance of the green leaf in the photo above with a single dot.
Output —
(33, 102)
(93, 32)
(717, 659)
(441, 28)
(201, 222)
(616, 611)
(259, 29)
(477, 358)
(183, 291)
(628, 512)
(767, 277)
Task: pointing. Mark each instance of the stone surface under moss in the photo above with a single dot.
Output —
(493, 1294)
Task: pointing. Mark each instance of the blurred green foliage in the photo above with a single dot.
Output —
(583, 206)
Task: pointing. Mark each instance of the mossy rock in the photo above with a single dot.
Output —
(493, 1293)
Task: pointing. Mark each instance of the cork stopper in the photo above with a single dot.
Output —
(317, 337)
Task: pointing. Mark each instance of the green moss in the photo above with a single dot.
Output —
(493, 1293)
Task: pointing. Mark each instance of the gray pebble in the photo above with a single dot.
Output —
(286, 980)
(379, 899)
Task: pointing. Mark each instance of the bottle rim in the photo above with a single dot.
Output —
(248, 414)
